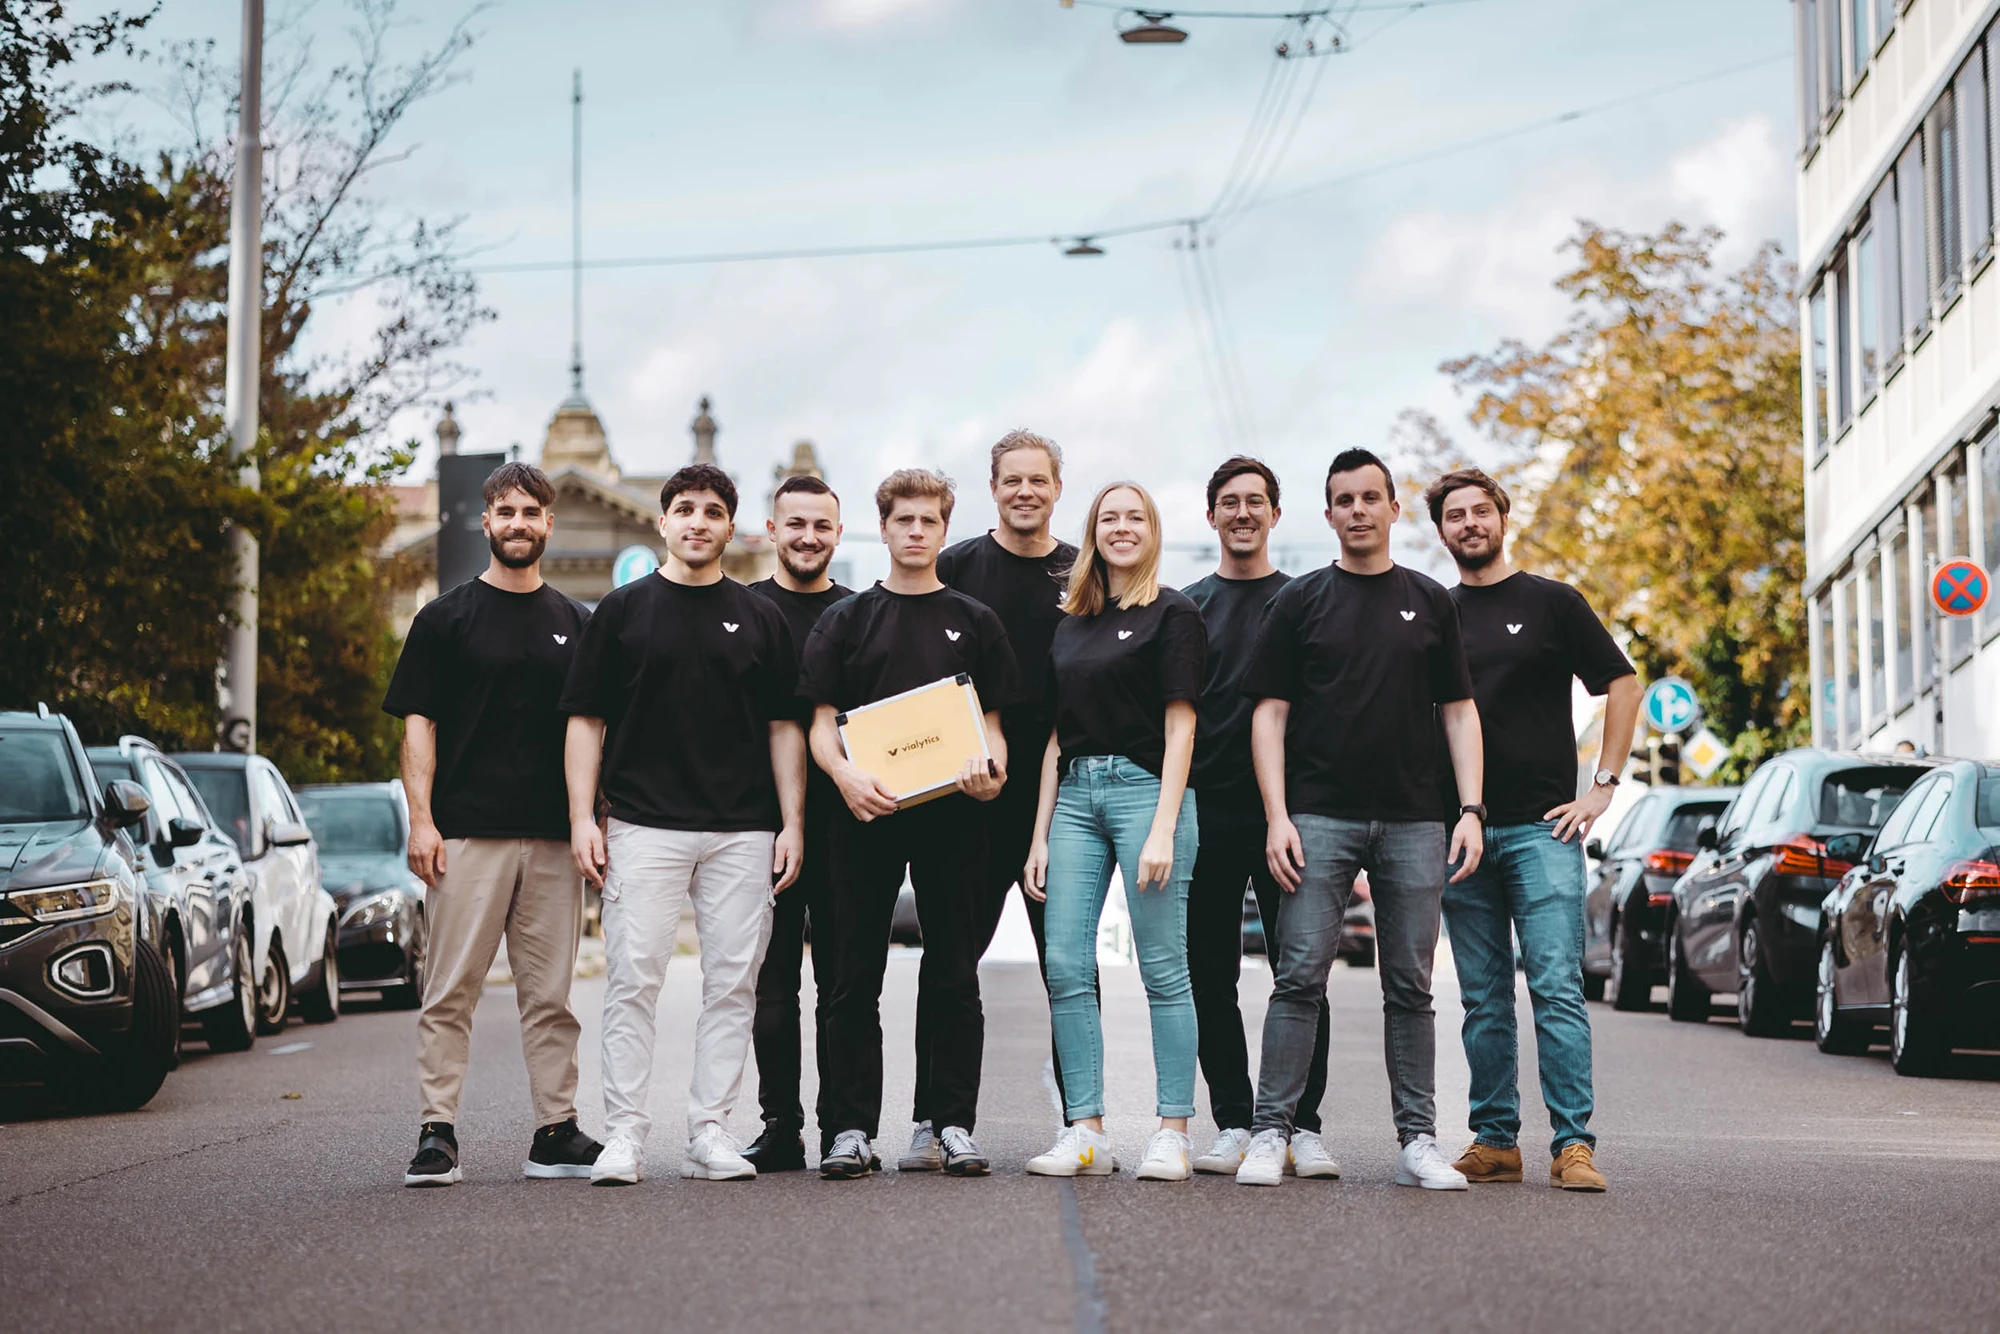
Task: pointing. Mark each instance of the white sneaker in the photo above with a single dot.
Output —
(1166, 1157)
(618, 1165)
(714, 1156)
(1422, 1163)
(1264, 1162)
(1309, 1158)
(1078, 1152)
(1226, 1154)
(923, 1154)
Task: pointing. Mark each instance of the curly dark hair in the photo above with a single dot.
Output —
(700, 477)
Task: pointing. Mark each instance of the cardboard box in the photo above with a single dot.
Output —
(916, 743)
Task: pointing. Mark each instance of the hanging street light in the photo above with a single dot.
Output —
(1083, 245)
(1152, 29)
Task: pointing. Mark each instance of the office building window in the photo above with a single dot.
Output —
(1867, 318)
(1926, 546)
(1989, 503)
(1944, 197)
(1825, 706)
(1878, 658)
(1850, 659)
(1913, 241)
(1861, 38)
(1882, 232)
(1831, 84)
(1958, 544)
(1975, 163)
(1900, 594)
(1885, 18)
(1843, 344)
(1818, 371)
(1806, 42)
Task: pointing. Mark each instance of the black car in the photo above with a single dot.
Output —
(363, 832)
(1912, 934)
(200, 889)
(1746, 916)
(86, 1004)
(1357, 926)
(1625, 908)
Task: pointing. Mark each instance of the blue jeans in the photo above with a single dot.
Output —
(1104, 810)
(1529, 884)
(1405, 864)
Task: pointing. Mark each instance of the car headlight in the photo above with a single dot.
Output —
(374, 910)
(67, 903)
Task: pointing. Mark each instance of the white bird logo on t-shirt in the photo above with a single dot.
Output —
(560, 639)
(730, 626)
(1407, 615)
(1124, 634)
(952, 635)
(1513, 629)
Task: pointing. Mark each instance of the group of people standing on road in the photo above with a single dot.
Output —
(1283, 734)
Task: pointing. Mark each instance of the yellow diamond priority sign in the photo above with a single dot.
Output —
(1703, 752)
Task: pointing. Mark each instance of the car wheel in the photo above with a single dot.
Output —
(1760, 1008)
(170, 958)
(1364, 957)
(1687, 998)
(130, 1071)
(234, 1026)
(410, 994)
(1836, 1034)
(274, 991)
(1593, 986)
(1916, 1042)
(1631, 982)
(319, 1003)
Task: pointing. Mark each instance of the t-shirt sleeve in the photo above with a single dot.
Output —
(418, 684)
(1451, 678)
(1275, 664)
(590, 689)
(995, 673)
(1594, 656)
(820, 662)
(1183, 652)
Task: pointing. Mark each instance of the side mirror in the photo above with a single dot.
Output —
(1707, 839)
(1877, 863)
(286, 833)
(1594, 849)
(1846, 847)
(125, 802)
(183, 833)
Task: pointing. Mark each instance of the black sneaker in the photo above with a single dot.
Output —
(561, 1150)
(849, 1157)
(962, 1157)
(436, 1163)
(779, 1149)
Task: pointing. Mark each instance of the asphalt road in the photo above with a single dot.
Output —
(1755, 1185)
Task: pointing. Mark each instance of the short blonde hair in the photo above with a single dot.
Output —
(1090, 580)
(1025, 439)
(914, 484)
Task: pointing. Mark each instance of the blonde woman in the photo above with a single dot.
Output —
(1127, 666)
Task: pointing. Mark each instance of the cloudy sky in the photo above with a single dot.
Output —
(776, 124)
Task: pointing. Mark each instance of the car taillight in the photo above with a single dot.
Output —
(1361, 894)
(1971, 880)
(1802, 855)
(1666, 859)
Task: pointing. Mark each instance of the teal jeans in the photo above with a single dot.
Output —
(1104, 810)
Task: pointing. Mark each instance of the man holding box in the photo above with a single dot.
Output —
(906, 632)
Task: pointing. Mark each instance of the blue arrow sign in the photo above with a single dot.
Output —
(1670, 705)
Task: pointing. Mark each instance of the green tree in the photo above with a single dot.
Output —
(1654, 446)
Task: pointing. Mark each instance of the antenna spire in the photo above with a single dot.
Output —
(576, 236)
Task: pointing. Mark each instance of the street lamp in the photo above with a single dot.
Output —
(1084, 246)
(1152, 28)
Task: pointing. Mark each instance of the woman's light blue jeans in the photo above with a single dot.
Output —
(1104, 810)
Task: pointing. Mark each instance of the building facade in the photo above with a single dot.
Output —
(1899, 163)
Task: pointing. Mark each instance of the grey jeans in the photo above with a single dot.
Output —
(1405, 861)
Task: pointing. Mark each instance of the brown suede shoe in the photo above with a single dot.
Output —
(1574, 1170)
(1484, 1162)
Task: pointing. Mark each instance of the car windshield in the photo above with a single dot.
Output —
(38, 779)
(227, 797)
(1686, 823)
(1989, 803)
(351, 822)
(1863, 798)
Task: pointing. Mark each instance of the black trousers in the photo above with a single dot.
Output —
(942, 846)
(1231, 856)
(776, 1032)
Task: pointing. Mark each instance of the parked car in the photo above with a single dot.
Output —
(363, 834)
(1625, 906)
(1911, 935)
(1746, 915)
(200, 891)
(1357, 926)
(86, 1003)
(294, 925)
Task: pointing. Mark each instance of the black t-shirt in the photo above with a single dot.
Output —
(1223, 779)
(802, 612)
(1116, 672)
(688, 680)
(877, 644)
(1365, 659)
(1525, 637)
(487, 667)
(1026, 593)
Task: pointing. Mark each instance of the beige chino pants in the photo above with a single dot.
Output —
(528, 890)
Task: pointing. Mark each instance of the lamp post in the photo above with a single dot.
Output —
(236, 679)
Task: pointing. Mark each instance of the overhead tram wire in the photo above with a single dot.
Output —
(1206, 263)
(1204, 344)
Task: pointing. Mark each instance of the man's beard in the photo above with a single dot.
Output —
(789, 558)
(1467, 561)
(499, 545)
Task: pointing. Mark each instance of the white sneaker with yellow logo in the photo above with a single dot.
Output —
(1078, 1152)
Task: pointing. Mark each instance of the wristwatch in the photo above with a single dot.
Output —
(1479, 811)
(1604, 778)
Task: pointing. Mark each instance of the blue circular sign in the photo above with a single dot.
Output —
(1670, 705)
(632, 564)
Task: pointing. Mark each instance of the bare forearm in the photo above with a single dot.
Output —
(583, 758)
(1468, 750)
(788, 767)
(827, 752)
(1267, 755)
(996, 741)
(419, 766)
(1045, 797)
(1174, 766)
(1621, 719)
